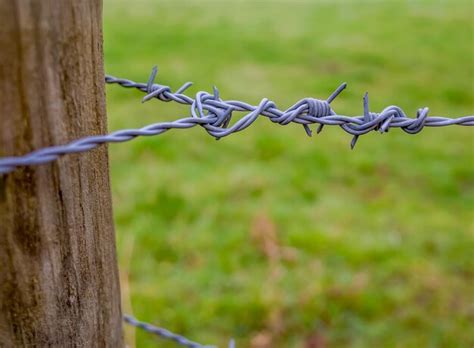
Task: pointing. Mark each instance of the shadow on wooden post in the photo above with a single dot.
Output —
(59, 281)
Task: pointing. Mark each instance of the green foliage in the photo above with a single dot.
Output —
(272, 237)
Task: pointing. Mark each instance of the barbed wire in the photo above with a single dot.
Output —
(163, 333)
(214, 114)
(168, 335)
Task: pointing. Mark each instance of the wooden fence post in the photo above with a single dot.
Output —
(59, 281)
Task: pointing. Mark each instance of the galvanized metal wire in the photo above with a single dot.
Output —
(214, 114)
(163, 333)
(168, 335)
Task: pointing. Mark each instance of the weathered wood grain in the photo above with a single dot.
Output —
(58, 271)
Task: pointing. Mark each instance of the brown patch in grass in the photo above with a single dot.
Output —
(265, 238)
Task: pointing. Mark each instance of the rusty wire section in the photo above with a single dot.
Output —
(215, 114)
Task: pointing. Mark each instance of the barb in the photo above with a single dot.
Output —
(214, 114)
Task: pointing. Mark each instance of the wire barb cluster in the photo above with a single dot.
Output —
(215, 114)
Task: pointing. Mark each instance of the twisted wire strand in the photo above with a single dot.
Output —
(163, 333)
(168, 335)
(214, 115)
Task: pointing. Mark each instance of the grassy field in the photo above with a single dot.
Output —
(274, 238)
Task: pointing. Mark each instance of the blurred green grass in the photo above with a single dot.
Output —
(274, 238)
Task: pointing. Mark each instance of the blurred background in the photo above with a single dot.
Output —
(274, 238)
